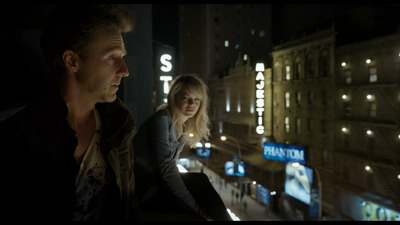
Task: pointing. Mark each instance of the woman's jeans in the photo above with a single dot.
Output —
(202, 191)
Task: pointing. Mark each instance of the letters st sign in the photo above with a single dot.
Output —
(164, 64)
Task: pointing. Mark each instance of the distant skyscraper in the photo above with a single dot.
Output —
(214, 36)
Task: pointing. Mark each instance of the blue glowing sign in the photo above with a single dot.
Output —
(203, 152)
(262, 194)
(234, 169)
(298, 182)
(284, 152)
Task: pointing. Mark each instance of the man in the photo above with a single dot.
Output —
(71, 150)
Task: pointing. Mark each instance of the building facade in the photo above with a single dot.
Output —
(303, 112)
(319, 93)
(343, 109)
(367, 128)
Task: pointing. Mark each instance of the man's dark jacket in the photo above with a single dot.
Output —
(39, 167)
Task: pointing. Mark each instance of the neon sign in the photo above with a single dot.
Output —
(284, 152)
(166, 68)
(166, 64)
(260, 98)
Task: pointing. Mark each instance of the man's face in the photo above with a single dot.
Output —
(100, 72)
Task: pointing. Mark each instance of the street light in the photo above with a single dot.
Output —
(319, 193)
(224, 138)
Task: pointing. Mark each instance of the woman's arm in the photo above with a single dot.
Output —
(163, 144)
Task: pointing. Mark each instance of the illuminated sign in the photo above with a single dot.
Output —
(298, 182)
(166, 67)
(263, 194)
(166, 83)
(374, 212)
(260, 98)
(234, 168)
(203, 151)
(284, 152)
(164, 71)
(165, 62)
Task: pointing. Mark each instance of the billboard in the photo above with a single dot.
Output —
(262, 194)
(374, 212)
(298, 182)
(203, 152)
(234, 169)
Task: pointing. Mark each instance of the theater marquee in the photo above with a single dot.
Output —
(284, 152)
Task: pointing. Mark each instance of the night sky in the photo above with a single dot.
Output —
(166, 24)
(288, 20)
(356, 21)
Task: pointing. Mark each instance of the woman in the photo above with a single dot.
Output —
(157, 144)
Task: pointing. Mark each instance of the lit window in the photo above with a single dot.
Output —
(287, 99)
(287, 72)
(343, 64)
(226, 43)
(287, 124)
(373, 76)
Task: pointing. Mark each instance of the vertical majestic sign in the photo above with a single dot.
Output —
(260, 84)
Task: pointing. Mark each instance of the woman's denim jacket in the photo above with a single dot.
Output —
(157, 149)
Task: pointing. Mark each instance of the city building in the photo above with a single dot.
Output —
(367, 129)
(340, 102)
(212, 36)
(303, 113)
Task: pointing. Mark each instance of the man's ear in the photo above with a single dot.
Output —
(70, 60)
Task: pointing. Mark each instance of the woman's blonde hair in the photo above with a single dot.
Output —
(199, 124)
